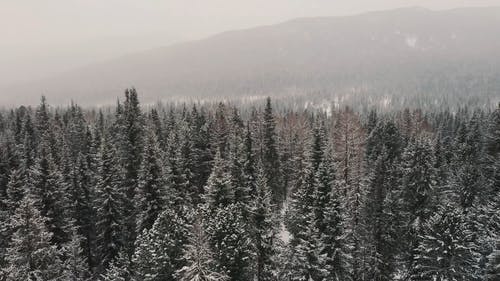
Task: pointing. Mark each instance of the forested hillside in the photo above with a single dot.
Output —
(399, 56)
(223, 192)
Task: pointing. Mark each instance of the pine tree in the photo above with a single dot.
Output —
(144, 259)
(236, 159)
(219, 192)
(270, 156)
(418, 192)
(323, 183)
(16, 188)
(493, 266)
(110, 205)
(492, 152)
(249, 172)
(31, 254)
(150, 196)
(348, 139)
(227, 232)
(221, 130)
(466, 179)
(132, 131)
(301, 206)
(306, 215)
(263, 229)
(318, 144)
(201, 265)
(177, 182)
(335, 248)
(380, 206)
(47, 183)
(75, 267)
(307, 261)
(201, 155)
(447, 250)
(165, 243)
(81, 193)
(119, 269)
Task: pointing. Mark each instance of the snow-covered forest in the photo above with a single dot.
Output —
(216, 191)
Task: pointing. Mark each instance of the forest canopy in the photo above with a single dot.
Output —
(222, 191)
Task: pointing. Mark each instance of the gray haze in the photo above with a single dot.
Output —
(42, 38)
(408, 52)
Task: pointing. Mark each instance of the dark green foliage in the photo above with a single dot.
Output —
(218, 191)
(446, 250)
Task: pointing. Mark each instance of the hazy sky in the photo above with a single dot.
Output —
(41, 37)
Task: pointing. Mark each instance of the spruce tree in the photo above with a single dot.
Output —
(75, 267)
(218, 191)
(493, 265)
(227, 232)
(109, 204)
(158, 253)
(418, 192)
(335, 247)
(270, 155)
(380, 207)
(47, 183)
(200, 154)
(200, 262)
(31, 254)
(446, 250)
(131, 133)
(307, 261)
(324, 180)
(150, 196)
(119, 269)
(262, 229)
(81, 195)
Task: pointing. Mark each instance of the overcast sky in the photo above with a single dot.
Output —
(41, 37)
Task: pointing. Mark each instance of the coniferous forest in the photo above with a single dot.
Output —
(218, 191)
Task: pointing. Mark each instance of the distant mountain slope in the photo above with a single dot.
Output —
(409, 51)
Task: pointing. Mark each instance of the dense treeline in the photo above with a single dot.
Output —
(215, 192)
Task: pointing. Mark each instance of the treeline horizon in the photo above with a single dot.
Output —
(249, 191)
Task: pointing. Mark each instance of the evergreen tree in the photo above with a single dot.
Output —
(158, 253)
(493, 267)
(221, 130)
(46, 183)
(236, 159)
(418, 194)
(323, 183)
(219, 192)
(263, 229)
(301, 206)
(446, 250)
(110, 204)
(335, 248)
(201, 265)
(249, 173)
(269, 155)
(381, 205)
(227, 232)
(81, 196)
(119, 269)
(75, 267)
(492, 152)
(132, 131)
(201, 155)
(307, 261)
(150, 196)
(31, 254)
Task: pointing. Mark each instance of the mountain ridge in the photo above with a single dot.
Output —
(319, 54)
